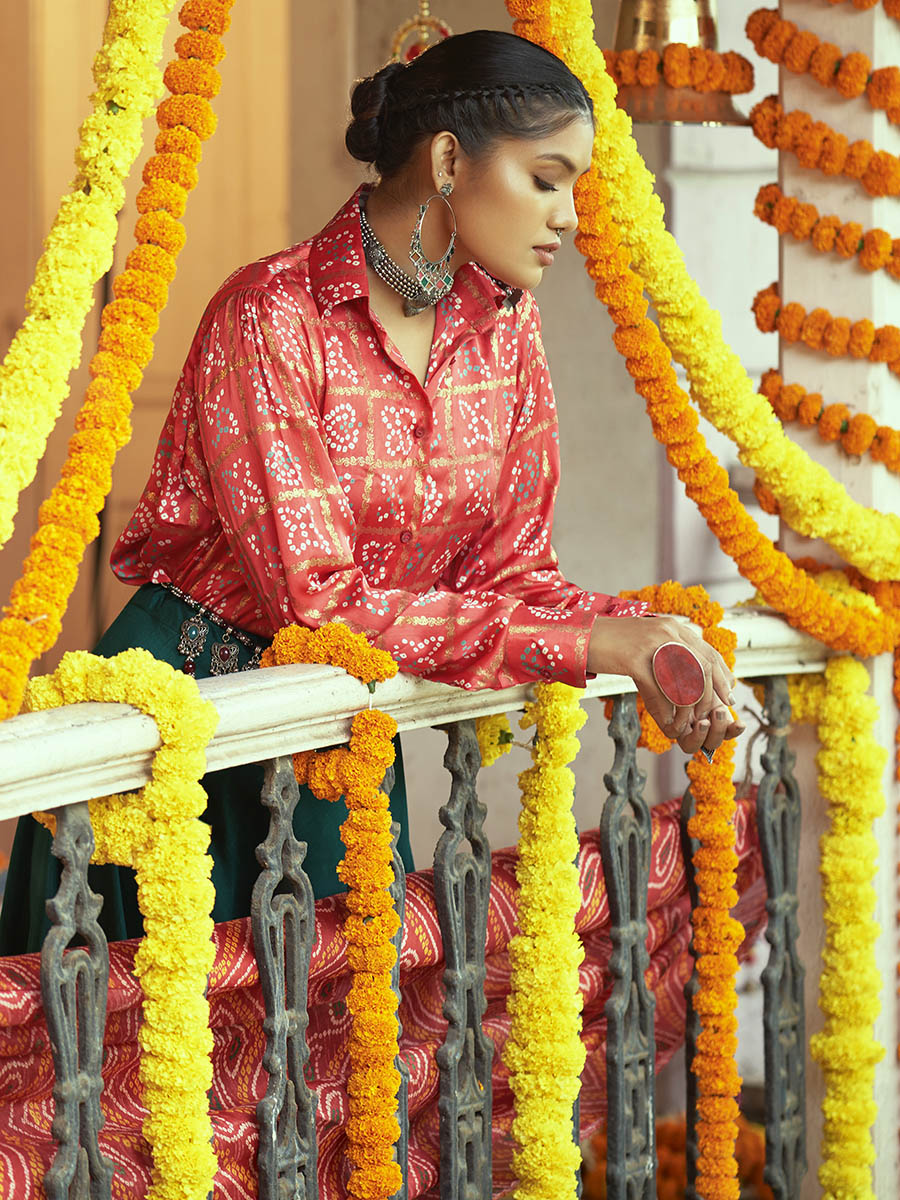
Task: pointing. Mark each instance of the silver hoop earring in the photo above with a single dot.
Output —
(433, 276)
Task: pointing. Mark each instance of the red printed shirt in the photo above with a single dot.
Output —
(305, 475)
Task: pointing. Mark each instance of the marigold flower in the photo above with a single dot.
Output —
(211, 15)
(824, 63)
(858, 436)
(849, 239)
(174, 167)
(814, 326)
(824, 235)
(882, 175)
(883, 89)
(852, 75)
(837, 337)
(886, 346)
(833, 421)
(799, 51)
(200, 43)
(192, 76)
(162, 194)
(194, 112)
(862, 338)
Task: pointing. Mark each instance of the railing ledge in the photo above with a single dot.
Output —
(64, 755)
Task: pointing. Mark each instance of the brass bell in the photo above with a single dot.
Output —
(652, 25)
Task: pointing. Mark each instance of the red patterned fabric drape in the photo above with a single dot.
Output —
(26, 1076)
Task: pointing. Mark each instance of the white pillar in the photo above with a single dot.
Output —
(815, 279)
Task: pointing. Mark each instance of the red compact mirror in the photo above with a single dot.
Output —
(678, 673)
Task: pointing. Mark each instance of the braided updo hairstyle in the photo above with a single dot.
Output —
(482, 86)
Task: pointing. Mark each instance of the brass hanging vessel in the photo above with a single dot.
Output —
(652, 25)
(417, 34)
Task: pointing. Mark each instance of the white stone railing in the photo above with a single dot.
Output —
(76, 753)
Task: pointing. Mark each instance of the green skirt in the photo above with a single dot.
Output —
(238, 821)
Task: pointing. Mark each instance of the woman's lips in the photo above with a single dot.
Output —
(545, 255)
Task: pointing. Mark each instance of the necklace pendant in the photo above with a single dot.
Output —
(223, 658)
(193, 638)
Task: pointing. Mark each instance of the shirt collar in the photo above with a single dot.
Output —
(337, 272)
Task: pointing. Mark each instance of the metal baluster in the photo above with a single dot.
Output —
(283, 928)
(398, 891)
(73, 990)
(625, 843)
(778, 821)
(462, 881)
(689, 846)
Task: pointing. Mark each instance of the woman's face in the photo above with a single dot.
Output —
(513, 205)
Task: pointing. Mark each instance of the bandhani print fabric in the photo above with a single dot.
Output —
(305, 474)
(236, 1015)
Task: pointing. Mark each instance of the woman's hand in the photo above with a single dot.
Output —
(625, 646)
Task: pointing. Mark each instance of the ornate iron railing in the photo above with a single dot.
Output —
(283, 915)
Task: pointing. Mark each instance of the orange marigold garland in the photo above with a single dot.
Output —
(786, 588)
(857, 433)
(356, 772)
(717, 935)
(817, 145)
(873, 249)
(802, 53)
(819, 330)
(681, 66)
(68, 518)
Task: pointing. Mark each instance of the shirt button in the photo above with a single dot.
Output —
(405, 536)
(419, 432)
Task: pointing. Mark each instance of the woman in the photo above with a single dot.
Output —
(365, 431)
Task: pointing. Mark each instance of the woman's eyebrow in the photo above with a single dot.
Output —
(566, 162)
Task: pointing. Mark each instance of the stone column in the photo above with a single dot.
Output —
(842, 286)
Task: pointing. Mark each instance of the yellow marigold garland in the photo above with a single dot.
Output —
(68, 518)
(856, 433)
(356, 772)
(78, 249)
(802, 53)
(159, 832)
(544, 1051)
(850, 763)
(681, 66)
(811, 500)
(873, 249)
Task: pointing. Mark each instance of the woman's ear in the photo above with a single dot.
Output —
(445, 158)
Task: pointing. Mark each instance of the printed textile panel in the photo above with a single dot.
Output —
(236, 1012)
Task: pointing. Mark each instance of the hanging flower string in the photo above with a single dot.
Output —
(717, 935)
(681, 66)
(79, 247)
(816, 145)
(802, 53)
(873, 249)
(813, 502)
(544, 1051)
(850, 983)
(818, 329)
(68, 518)
(356, 772)
(856, 433)
(158, 831)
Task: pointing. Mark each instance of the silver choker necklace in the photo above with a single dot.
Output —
(387, 270)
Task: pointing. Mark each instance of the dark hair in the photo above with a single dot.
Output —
(481, 86)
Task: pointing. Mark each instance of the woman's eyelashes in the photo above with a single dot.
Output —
(544, 185)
